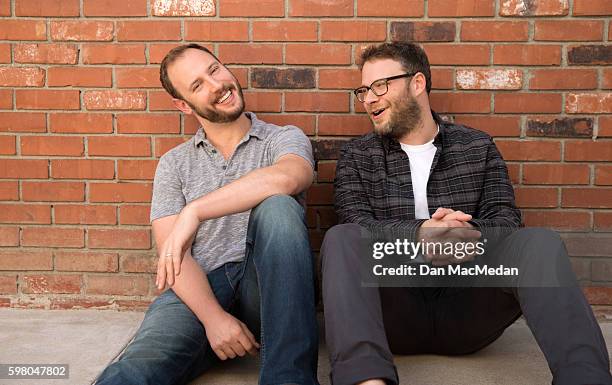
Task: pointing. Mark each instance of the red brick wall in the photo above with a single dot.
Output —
(83, 118)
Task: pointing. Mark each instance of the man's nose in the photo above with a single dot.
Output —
(370, 97)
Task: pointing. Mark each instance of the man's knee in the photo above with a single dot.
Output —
(334, 247)
(278, 211)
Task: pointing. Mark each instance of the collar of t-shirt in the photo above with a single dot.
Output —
(421, 157)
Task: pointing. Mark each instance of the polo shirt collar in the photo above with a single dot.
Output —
(257, 130)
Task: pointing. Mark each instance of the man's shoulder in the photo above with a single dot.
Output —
(464, 135)
(180, 152)
(364, 143)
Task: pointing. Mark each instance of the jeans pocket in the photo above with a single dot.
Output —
(233, 273)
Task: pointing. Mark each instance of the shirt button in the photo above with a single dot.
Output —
(214, 151)
(224, 167)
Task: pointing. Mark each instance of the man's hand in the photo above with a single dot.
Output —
(448, 225)
(229, 337)
(173, 249)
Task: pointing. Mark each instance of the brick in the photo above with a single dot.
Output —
(85, 214)
(568, 30)
(5, 7)
(423, 31)
(136, 169)
(5, 53)
(587, 150)
(6, 99)
(163, 145)
(115, 100)
(9, 236)
(317, 101)
(250, 53)
(530, 55)
(120, 192)
(601, 270)
(494, 31)
(52, 237)
(528, 103)
(326, 172)
(306, 123)
(592, 8)
(24, 168)
(320, 194)
(86, 261)
(283, 78)
(462, 54)
(341, 78)
(23, 122)
(148, 123)
(191, 124)
(262, 101)
(79, 77)
(261, 8)
(602, 221)
(7, 145)
(461, 8)
(241, 74)
(391, 8)
(82, 169)
(183, 8)
(148, 30)
(47, 8)
(605, 126)
(119, 146)
(562, 174)
(117, 285)
(559, 79)
(22, 77)
(558, 220)
(603, 175)
(217, 30)
(23, 29)
(607, 76)
(158, 51)
(82, 30)
(597, 197)
(53, 191)
(47, 99)
(8, 284)
(492, 124)
(115, 7)
(137, 77)
(51, 283)
(26, 260)
(9, 191)
(559, 127)
(536, 197)
(489, 79)
(534, 8)
(284, 31)
(589, 103)
(314, 8)
(52, 145)
(119, 239)
(46, 53)
(589, 55)
(73, 123)
(451, 102)
(344, 125)
(529, 150)
(134, 214)
(113, 54)
(328, 54)
(160, 101)
(588, 245)
(353, 30)
(138, 263)
(325, 149)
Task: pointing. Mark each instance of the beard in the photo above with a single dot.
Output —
(404, 119)
(215, 116)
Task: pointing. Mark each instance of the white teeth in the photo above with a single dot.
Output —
(224, 97)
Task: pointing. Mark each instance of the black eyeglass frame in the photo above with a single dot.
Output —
(356, 90)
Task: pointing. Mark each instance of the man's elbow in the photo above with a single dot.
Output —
(293, 184)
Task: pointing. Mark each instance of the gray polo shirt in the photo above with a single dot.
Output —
(195, 168)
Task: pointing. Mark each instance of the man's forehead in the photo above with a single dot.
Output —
(189, 65)
(380, 68)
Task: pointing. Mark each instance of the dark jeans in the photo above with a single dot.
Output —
(365, 325)
(272, 291)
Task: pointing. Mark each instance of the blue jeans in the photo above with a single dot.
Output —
(271, 291)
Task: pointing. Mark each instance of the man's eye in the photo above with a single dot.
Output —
(215, 69)
(196, 86)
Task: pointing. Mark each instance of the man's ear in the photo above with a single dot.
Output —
(182, 106)
(419, 84)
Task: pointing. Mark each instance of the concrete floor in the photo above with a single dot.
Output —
(88, 340)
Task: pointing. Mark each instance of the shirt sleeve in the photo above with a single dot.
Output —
(168, 198)
(291, 140)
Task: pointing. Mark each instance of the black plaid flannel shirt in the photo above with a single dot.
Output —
(373, 185)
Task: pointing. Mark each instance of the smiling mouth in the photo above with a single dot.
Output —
(224, 97)
(376, 113)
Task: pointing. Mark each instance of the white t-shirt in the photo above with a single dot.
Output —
(421, 157)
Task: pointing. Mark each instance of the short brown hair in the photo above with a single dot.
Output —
(411, 56)
(170, 57)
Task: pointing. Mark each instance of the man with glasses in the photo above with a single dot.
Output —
(413, 174)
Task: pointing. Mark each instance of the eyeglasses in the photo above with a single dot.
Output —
(379, 87)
